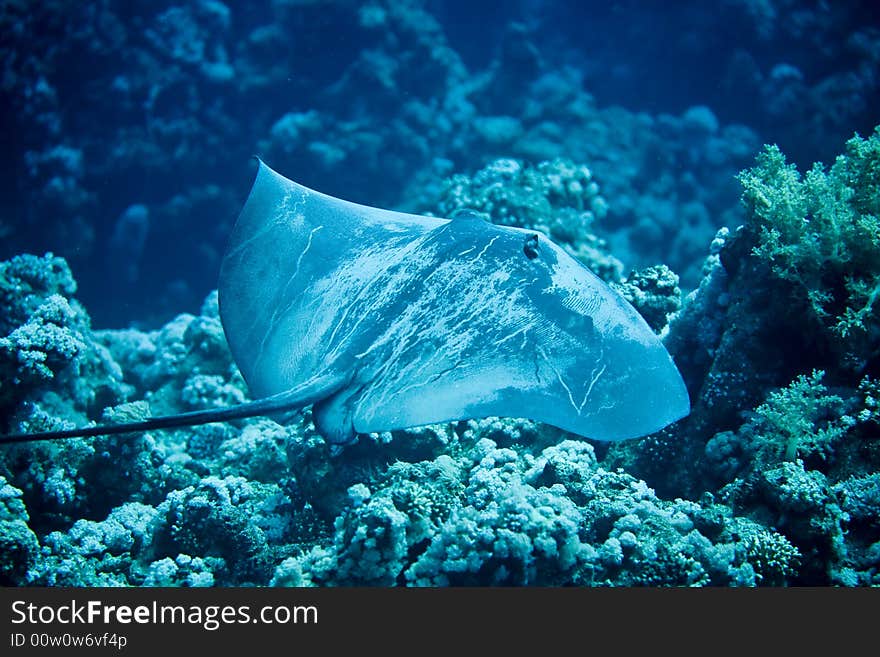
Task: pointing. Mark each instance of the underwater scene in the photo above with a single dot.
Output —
(440, 293)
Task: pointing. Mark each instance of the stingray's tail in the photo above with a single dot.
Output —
(283, 402)
(193, 418)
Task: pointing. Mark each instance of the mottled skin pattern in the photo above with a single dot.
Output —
(385, 321)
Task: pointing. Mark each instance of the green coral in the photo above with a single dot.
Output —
(821, 232)
(802, 419)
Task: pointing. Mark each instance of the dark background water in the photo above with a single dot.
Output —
(129, 127)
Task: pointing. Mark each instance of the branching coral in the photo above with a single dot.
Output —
(802, 418)
(821, 232)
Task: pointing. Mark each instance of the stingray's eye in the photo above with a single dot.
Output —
(530, 248)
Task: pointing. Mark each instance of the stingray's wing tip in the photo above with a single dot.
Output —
(261, 164)
(681, 398)
(681, 408)
(677, 403)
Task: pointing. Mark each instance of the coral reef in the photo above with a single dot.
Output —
(481, 502)
(779, 352)
(821, 234)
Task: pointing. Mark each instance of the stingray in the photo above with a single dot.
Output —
(385, 321)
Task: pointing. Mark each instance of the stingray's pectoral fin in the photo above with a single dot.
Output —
(282, 404)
